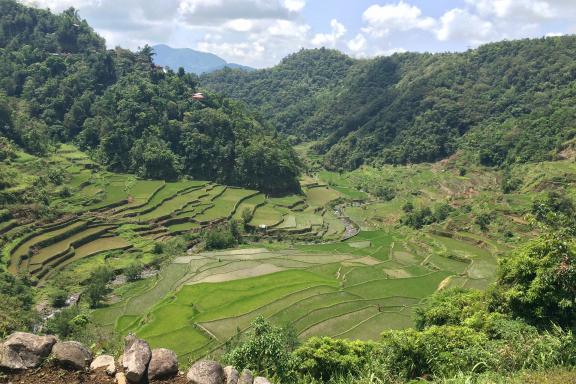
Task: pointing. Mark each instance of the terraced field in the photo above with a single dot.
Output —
(296, 270)
(351, 289)
(104, 207)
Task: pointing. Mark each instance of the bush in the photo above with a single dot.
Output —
(134, 272)
(323, 358)
(265, 350)
(67, 323)
(220, 238)
(537, 283)
(450, 307)
(58, 298)
(441, 351)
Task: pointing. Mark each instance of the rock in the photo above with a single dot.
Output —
(205, 372)
(261, 380)
(72, 355)
(230, 375)
(163, 364)
(24, 350)
(104, 361)
(246, 377)
(137, 355)
(121, 378)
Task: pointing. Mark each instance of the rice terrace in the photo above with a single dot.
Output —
(331, 261)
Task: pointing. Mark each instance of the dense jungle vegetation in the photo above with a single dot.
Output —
(502, 103)
(58, 83)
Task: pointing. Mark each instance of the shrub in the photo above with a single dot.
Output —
(537, 283)
(450, 307)
(134, 271)
(220, 238)
(265, 350)
(441, 351)
(323, 358)
(58, 298)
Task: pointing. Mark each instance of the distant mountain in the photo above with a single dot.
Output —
(191, 60)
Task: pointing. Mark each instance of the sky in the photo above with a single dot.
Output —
(259, 33)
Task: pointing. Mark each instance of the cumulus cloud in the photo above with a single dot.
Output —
(460, 25)
(358, 45)
(332, 38)
(252, 32)
(383, 19)
(294, 5)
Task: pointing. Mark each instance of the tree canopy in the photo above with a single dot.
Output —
(58, 83)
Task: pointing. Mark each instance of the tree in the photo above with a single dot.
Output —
(97, 288)
(134, 272)
(96, 292)
(538, 282)
(264, 350)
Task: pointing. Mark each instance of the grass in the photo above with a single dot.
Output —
(225, 204)
(320, 196)
(266, 215)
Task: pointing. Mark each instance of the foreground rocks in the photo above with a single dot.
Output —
(206, 372)
(25, 350)
(104, 362)
(72, 355)
(163, 364)
(137, 355)
(21, 355)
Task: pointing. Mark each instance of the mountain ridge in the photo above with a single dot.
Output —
(501, 103)
(191, 60)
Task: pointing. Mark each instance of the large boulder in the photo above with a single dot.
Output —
(104, 362)
(24, 350)
(246, 377)
(72, 355)
(205, 372)
(136, 357)
(231, 375)
(163, 364)
(261, 380)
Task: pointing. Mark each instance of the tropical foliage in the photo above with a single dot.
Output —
(58, 83)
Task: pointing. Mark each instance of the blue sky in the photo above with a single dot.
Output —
(261, 32)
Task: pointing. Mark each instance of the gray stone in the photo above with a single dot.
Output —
(163, 364)
(72, 355)
(261, 380)
(231, 375)
(205, 372)
(104, 361)
(24, 350)
(246, 377)
(137, 355)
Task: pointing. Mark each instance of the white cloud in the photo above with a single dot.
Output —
(460, 25)
(358, 45)
(240, 25)
(294, 5)
(524, 9)
(383, 19)
(332, 38)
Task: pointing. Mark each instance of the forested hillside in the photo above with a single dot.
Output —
(58, 83)
(501, 103)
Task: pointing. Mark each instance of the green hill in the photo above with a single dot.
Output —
(58, 83)
(501, 103)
